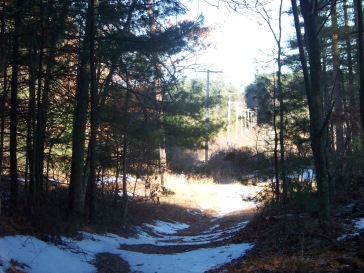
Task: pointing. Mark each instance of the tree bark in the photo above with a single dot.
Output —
(31, 139)
(350, 84)
(125, 198)
(275, 153)
(3, 70)
(361, 58)
(339, 131)
(301, 50)
(93, 121)
(77, 188)
(14, 109)
(309, 11)
(279, 163)
(159, 97)
(281, 109)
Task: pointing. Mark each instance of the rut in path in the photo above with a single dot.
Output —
(200, 232)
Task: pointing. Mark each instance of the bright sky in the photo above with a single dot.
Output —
(242, 44)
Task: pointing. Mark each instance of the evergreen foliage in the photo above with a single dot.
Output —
(93, 88)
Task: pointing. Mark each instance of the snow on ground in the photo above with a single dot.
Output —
(229, 198)
(356, 225)
(35, 256)
(359, 224)
(233, 200)
(32, 255)
(167, 228)
(76, 256)
(161, 238)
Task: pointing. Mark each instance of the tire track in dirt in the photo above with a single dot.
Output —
(203, 231)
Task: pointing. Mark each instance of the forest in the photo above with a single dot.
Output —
(94, 94)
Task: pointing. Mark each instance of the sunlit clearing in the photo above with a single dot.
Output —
(211, 198)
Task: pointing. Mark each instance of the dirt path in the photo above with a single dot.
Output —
(201, 231)
(173, 230)
(211, 214)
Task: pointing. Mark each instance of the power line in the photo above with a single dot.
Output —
(207, 110)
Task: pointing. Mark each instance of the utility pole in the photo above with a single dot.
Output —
(207, 111)
(229, 118)
(207, 117)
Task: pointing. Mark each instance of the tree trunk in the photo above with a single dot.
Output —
(31, 140)
(3, 71)
(339, 132)
(93, 121)
(43, 116)
(14, 110)
(77, 185)
(281, 109)
(317, 124)
(125, 198)
(361, 58)
(159, 97)
(276, 160)
(279, 163)
(350, 103)
(301, 50)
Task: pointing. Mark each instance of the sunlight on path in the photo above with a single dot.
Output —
(215, 199)
(189, 254)
(229, 199)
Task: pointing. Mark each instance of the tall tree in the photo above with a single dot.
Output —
(31, 123)
(3, 71)
(159, 96)
(77, 189)
(278, 38)
(94, 111)
(348, 85)
(337, 80)
(310, 11)
(361, 57)
(132, 46)
(266, 15)
(14, 104)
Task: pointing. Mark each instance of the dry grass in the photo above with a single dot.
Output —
(189, 192)
(202, 193)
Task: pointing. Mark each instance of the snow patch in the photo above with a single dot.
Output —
(167, 228)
